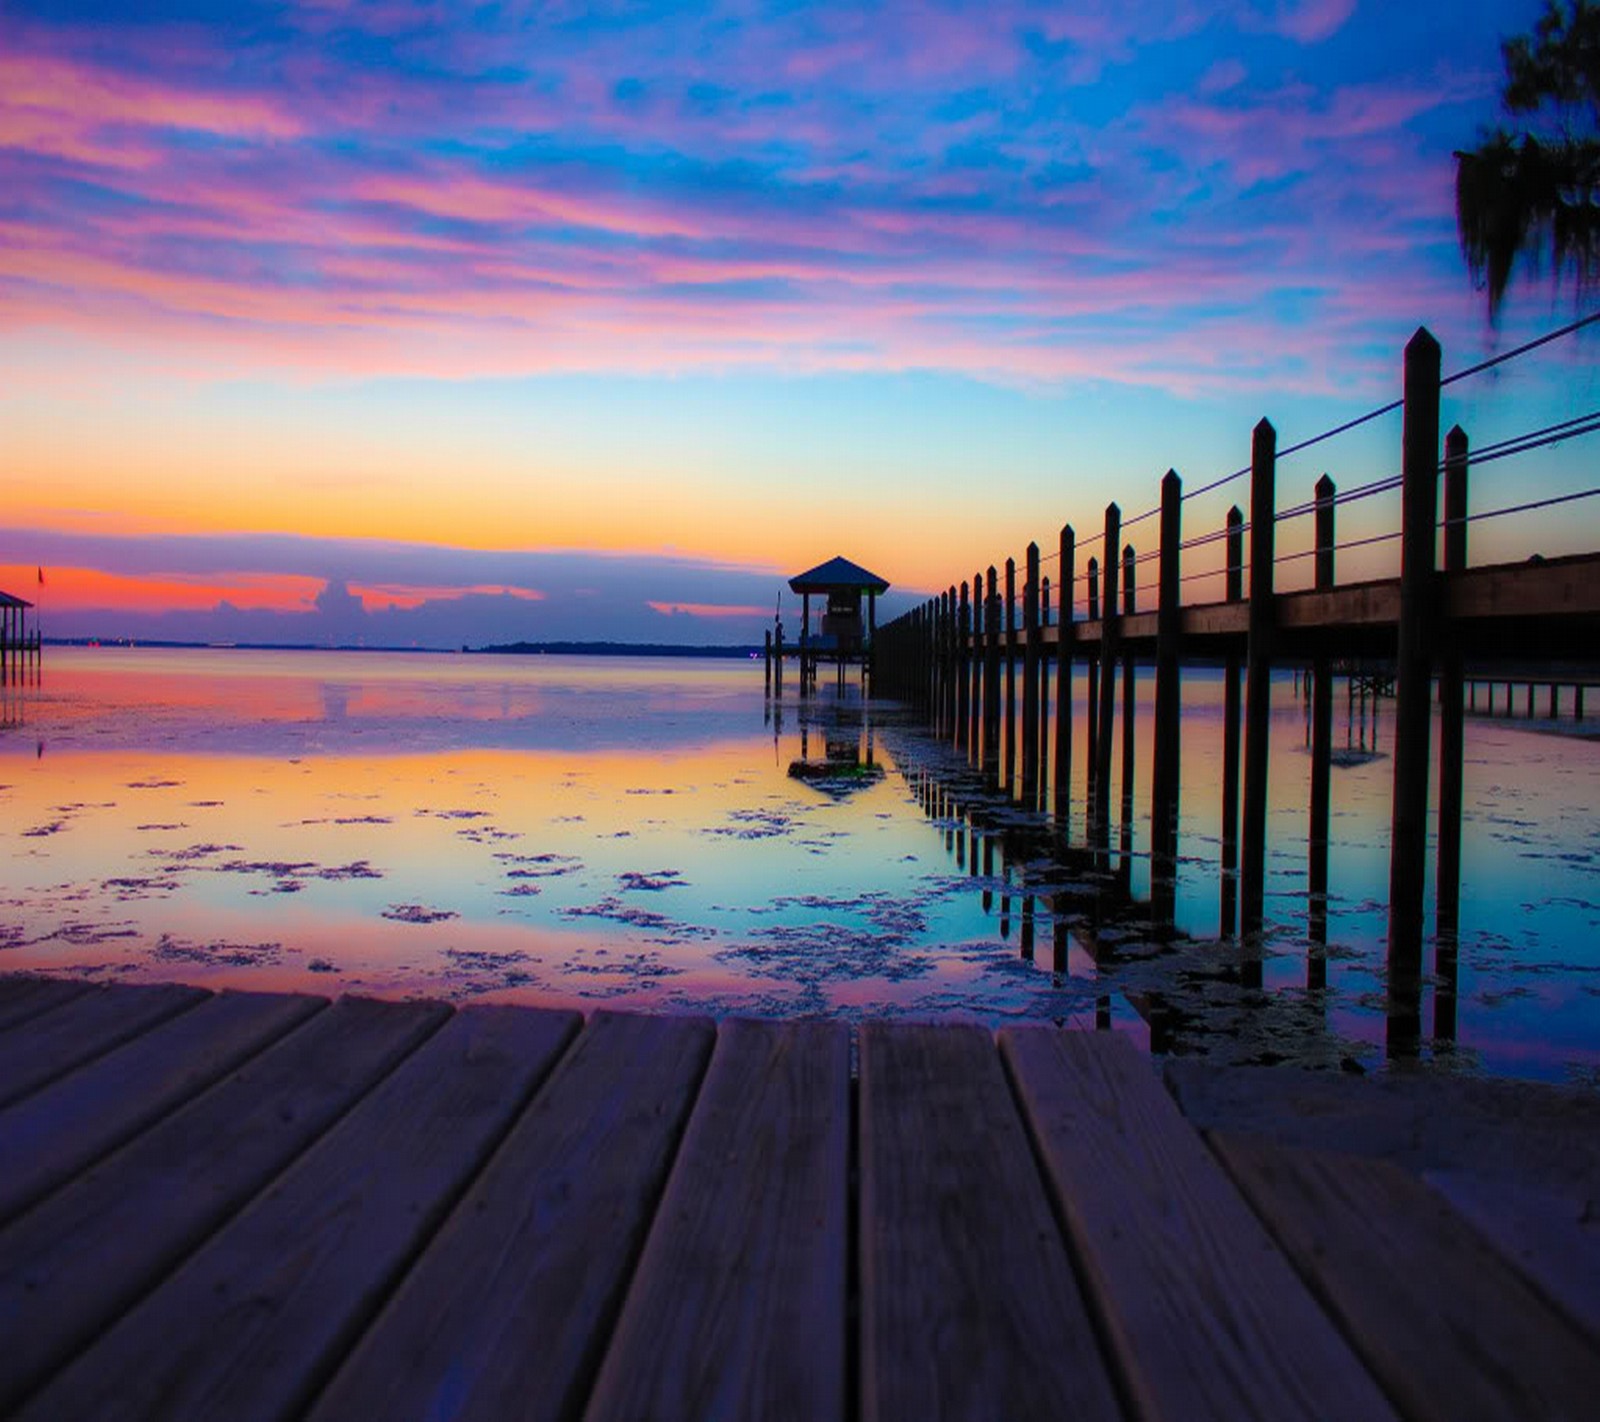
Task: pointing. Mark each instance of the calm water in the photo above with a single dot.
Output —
(656, 834)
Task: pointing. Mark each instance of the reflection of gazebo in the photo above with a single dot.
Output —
(843, 768)
(844, 636)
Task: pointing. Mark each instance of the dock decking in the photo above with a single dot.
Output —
(244, 1205)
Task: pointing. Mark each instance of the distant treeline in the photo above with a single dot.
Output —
(615, 649)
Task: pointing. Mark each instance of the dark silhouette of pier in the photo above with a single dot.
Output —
(957, 659)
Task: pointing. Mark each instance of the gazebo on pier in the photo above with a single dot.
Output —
(18, 642)
(845, 636)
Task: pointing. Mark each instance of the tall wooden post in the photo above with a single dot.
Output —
(1065, 581)
(1109, 639)
(1258, 681)
(1164, 772)
(975, 730)
(869, 656)
(1091, 751)
(1230, 734)
(1030, 677)
(1129, 718)
(1011, 674)
(1452, 746)
(805, 644)
(991, 677)
(963, 677)
(1321, 757)
(1419, 509)
(952, 661)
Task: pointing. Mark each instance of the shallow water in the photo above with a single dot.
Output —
(629, 832)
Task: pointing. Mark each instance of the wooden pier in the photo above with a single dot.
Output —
(958, 656)
(264, 1206)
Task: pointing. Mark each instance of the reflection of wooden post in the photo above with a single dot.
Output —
(1321, 756)
(1065, 581)
(991, 677)
(768, 658)
(1030, 678)
(1164, 773)
(1011, 673)
(1258, 680)
(1109, 629)
(1452, 747)
(1419, 504)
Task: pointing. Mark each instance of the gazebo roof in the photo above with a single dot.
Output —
(835, 574)
(6, 600)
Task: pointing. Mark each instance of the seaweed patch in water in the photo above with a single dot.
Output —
(44, 830)
(138, 886)
(661, 928)
(476, 970)
(539, 866)
(152, 784)
(170, 949)
(754, 824)
(147, 828)
(419, 913)
(454, 814)
(651, 883)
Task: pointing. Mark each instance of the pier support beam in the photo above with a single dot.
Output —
(1452, 745)
(1419, 504)
(1165, 773)
(1321, 759)
(1230, 736)
(1030, 679)
(1109, 627)
(1258, 680)
(1066, 580)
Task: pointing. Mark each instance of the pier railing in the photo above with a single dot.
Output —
(957, 657)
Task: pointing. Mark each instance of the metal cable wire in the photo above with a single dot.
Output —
(1522, 350)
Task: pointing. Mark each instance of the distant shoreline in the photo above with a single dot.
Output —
(513, 649)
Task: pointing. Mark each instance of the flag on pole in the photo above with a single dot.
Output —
(41, 577)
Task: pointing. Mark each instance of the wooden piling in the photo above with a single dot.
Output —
(1030, 677)
(1234, 592)
(975, 729)
(991, 678)
(1010, 712)
(1419, 498)
(1321, 756)
(1452, 744)
(963, 675)
(1065, 582)
(1165, 769)
(1109, 627)
(1091, 750)
(1258, 678)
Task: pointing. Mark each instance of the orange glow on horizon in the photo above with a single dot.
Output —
(79, 589)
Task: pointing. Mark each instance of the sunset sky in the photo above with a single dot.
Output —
(431, 323)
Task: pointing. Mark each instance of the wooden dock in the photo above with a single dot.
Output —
(248, 1205)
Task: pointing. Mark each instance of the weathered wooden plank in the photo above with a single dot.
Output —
(22, 997)
(51, 1135)
(738, 1308)
(1207, 1316)
(1552, 587)
(40, 1050)
(250, 1325)
(505, 1313)
(1450, 1328)
(84, 1254)
(1553, 1236)
(969, 1307)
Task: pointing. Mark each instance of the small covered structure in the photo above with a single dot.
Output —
(19, 644)
(845, 636)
